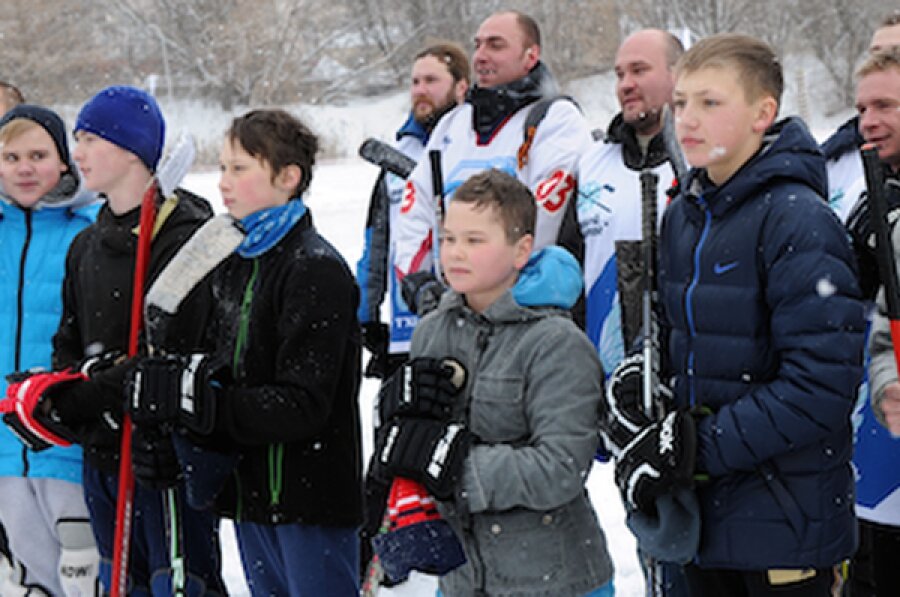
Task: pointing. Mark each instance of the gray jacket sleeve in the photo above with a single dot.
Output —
(883, 365)
(561, 391)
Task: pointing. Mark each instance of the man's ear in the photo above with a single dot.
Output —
(767, 110)
(289, 177)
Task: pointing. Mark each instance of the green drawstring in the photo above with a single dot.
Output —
(276, 472)
(244, 328)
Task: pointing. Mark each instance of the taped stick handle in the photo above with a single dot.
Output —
(884, 247)
(437, 188)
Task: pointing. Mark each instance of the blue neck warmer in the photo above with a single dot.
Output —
(268, 226)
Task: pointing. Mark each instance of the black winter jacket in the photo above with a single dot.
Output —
(286, 322)
(97, 293)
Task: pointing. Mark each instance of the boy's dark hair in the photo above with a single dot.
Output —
(758, 68)
(513, 201)
(880, 61)
(452, 56)
(278, 138)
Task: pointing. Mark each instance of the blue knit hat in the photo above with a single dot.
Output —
(127, 117)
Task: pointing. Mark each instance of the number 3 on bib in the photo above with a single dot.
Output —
(552, 192)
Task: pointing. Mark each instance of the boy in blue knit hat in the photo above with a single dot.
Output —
(120, 134)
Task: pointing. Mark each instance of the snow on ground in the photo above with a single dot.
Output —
(338, 200)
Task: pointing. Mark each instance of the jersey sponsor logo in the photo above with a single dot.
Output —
(409, 197)
(553, 192)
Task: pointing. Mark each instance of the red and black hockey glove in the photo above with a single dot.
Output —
(29, 413)
(657, 461)
(424, 387)
(430, 452)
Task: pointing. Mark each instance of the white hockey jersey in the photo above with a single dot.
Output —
(561, 137)
(608, 210)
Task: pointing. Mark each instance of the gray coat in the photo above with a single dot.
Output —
(531, 398)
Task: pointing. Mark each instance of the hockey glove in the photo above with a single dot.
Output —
(421, 292)
(657, 461)
(175, 389)
(424, 387)
(27, 409)
(862, 234)
(622, 413)
(427, 451)
(153, 457)
(375, 338)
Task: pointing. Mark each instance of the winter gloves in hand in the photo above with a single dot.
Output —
(153, 458)
(424, 387)
(175, 389)
(622, 411)
(421, 292)
(417, 438)
(375, 338)
(27, 409)
(657, 461)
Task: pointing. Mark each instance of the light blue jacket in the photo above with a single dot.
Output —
(33, 247)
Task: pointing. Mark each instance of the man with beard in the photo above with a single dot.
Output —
(495, 128)
(440, 79)
(608, 209)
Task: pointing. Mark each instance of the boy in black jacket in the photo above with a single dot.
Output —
(120, 134)
(279, 386)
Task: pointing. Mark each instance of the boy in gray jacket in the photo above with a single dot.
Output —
(506, 448)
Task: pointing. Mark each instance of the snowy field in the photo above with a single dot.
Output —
(338, 200)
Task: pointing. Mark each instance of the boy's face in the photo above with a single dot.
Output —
(30, 166)
(248, 185)
(432, 87)
(103, 164)
(878, 104)
(718, 128)
(476, 257)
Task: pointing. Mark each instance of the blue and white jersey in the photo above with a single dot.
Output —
(875, 457)
(846, 182)
(609, 210)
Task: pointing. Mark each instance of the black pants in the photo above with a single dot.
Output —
(704, 582)
(875, 567)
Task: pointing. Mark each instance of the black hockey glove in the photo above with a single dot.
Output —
(622, 413)
(657, 461)
(176, 389)
(863, 236)
(424, 387)
(421, 292)
(153, 457)
(375, 338)
(424, 450)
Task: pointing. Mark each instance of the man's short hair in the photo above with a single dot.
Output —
(511, 199)
(530, 29)
(890, 19)
(11, 95)
(452, 56)
(280, 139)
(758, 67)
(674, 50)
(882, 60)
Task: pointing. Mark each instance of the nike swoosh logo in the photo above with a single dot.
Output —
(722, 268)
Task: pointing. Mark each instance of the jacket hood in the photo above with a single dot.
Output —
(846, 138)
(551, 278)
(413, 128)
(789, 154)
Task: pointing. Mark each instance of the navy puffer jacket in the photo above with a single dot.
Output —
(758, 288)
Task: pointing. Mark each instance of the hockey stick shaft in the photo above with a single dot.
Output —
(884, 248)
(649, 183)
(437, 186)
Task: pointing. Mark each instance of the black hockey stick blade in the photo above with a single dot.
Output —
(387, 157)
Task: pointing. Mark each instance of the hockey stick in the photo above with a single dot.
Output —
(878, 204)
(673, 149)
(384, 156)
(167, 177)
(437, 187)
(650, 378)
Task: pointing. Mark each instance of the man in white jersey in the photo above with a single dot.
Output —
(438, 83)
(608, 208)
(488, 131)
